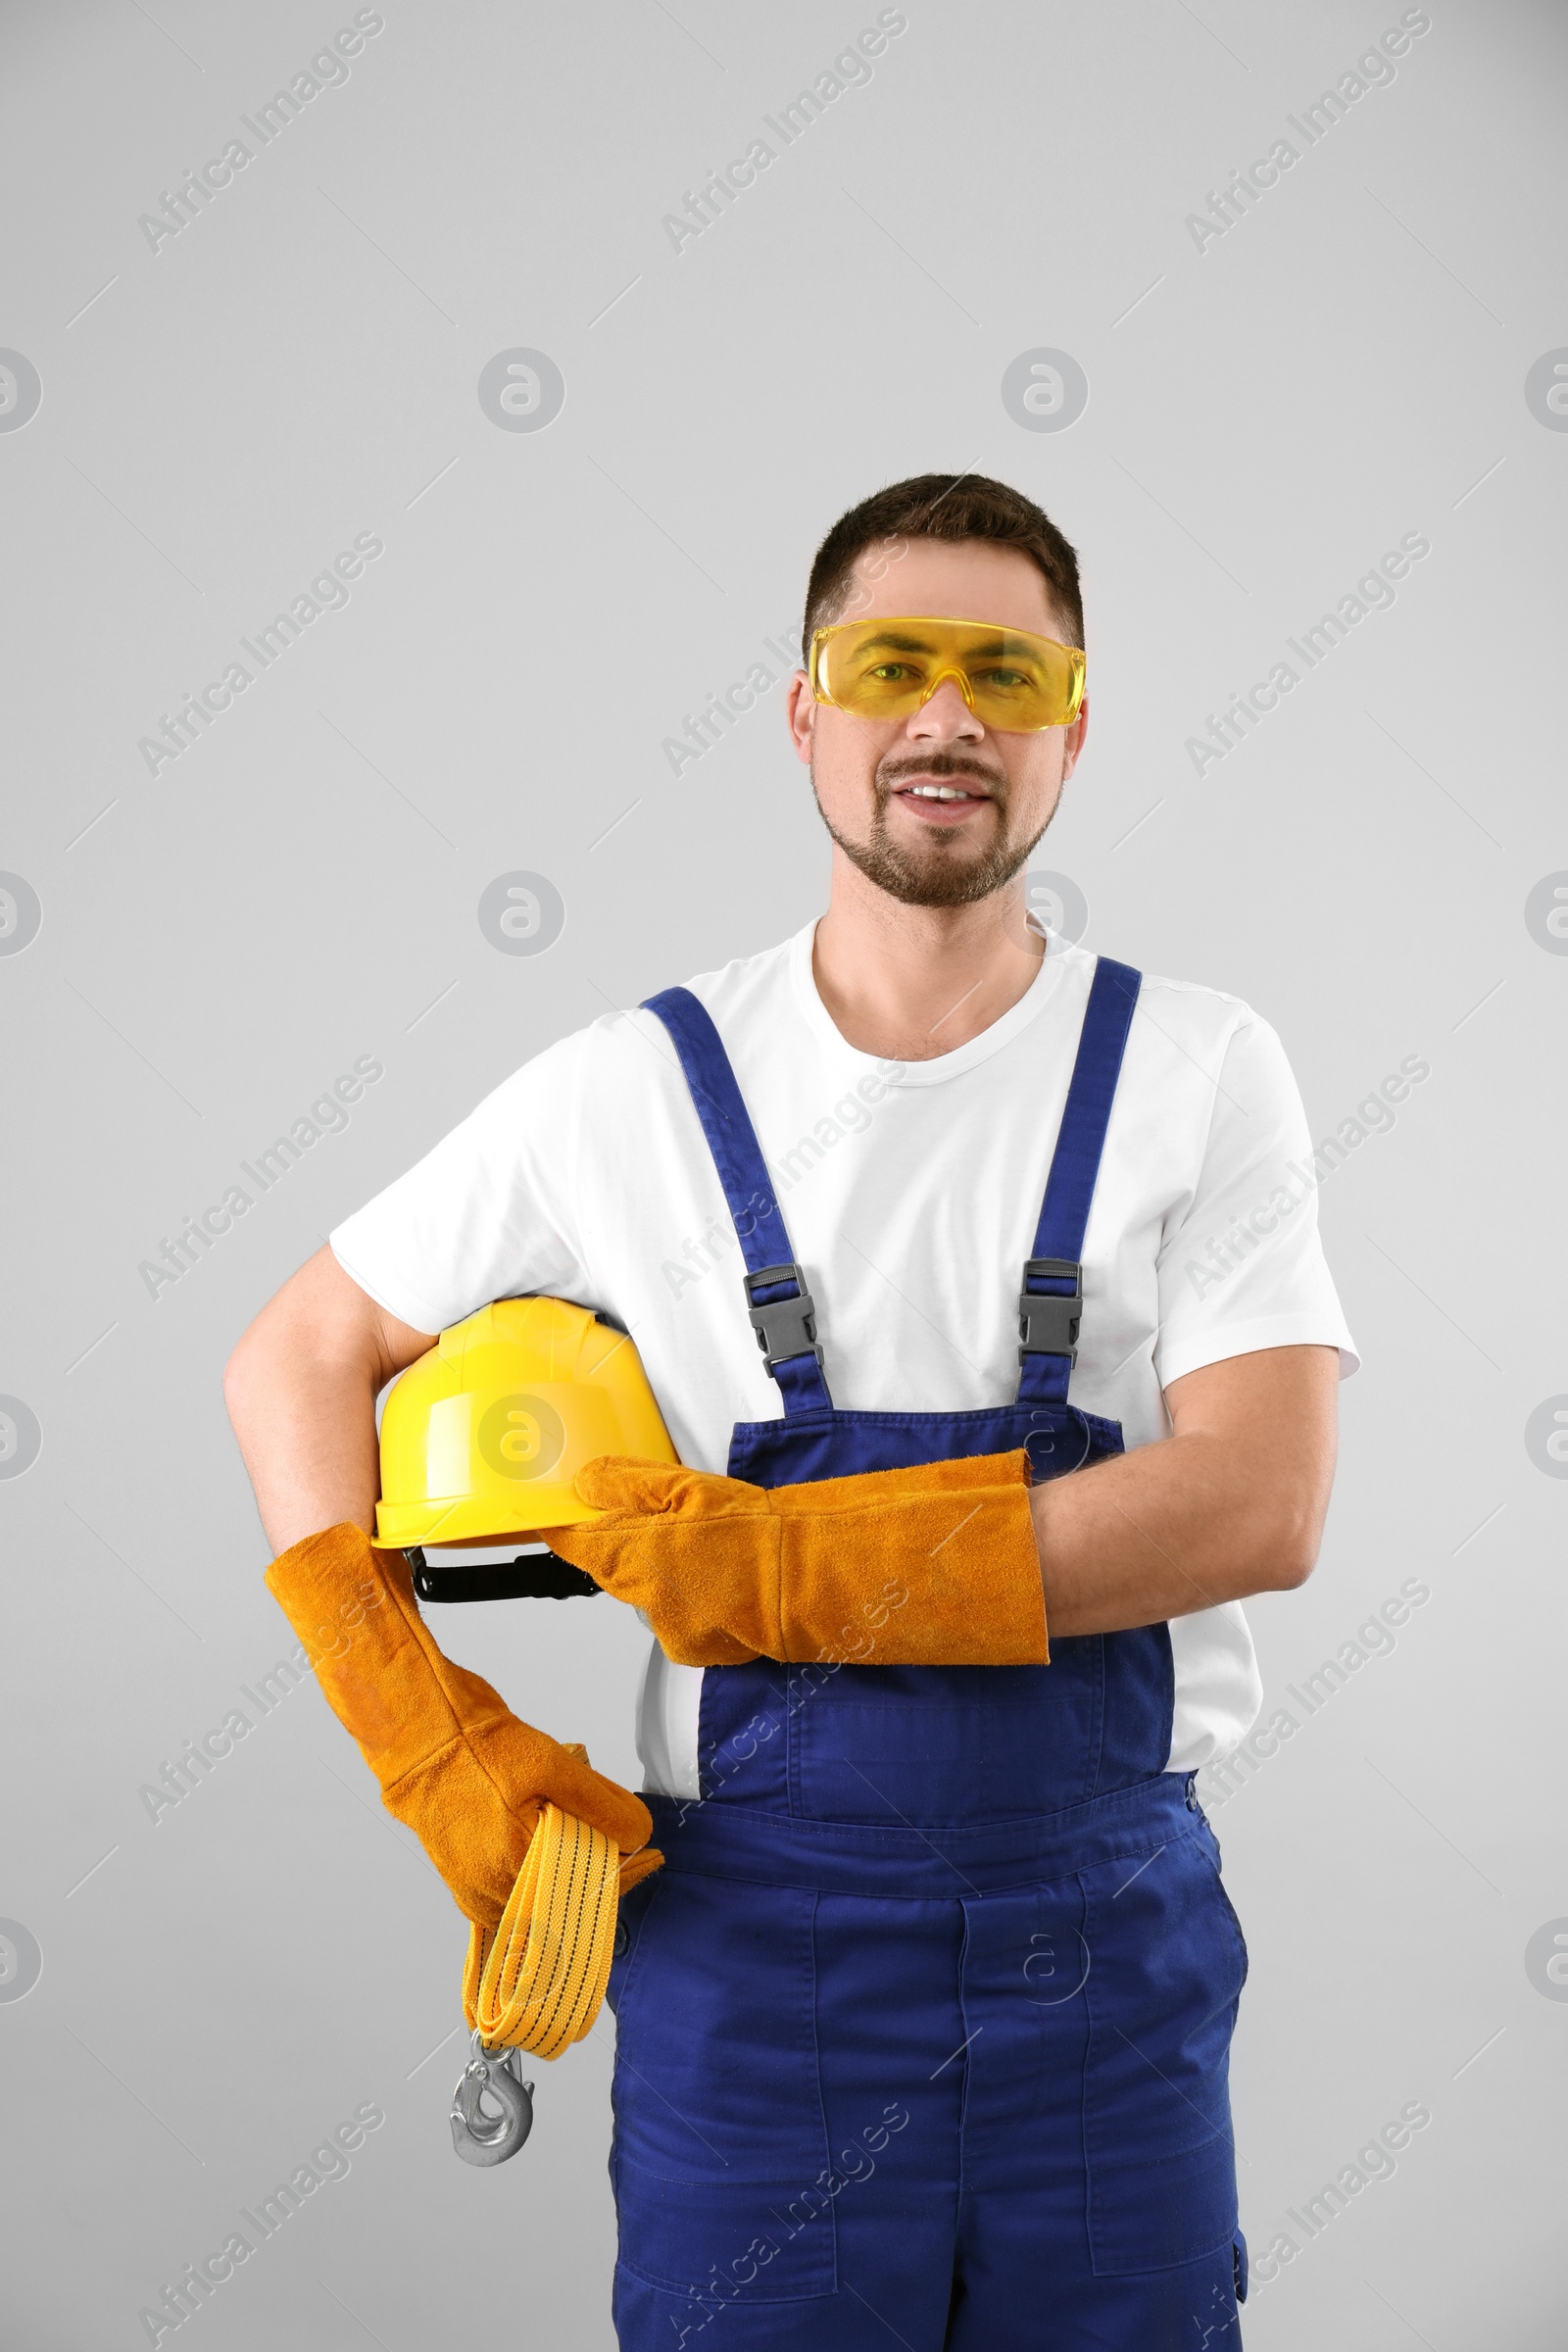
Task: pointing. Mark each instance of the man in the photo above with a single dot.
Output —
(923, 2028)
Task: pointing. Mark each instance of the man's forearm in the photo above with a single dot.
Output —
(1231, 1504)
(1154, 1534)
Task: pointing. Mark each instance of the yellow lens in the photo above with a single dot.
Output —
(886, 668)
(878, 669)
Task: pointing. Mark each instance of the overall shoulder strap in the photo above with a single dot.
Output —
(781, 1310)
(1050, 1303)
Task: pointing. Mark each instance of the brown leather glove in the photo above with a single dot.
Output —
(453, 1761)
(935, 1566)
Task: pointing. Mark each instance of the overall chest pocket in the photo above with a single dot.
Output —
(937, 1747)
(720, 2151)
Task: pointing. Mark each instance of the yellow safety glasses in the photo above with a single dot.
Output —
(887, 669)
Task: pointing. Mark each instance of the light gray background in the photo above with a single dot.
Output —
(1265, 418)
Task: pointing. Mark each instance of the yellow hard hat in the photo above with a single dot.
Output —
(482, 1439)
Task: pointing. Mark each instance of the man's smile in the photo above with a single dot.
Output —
(942, 788)
(941, 804)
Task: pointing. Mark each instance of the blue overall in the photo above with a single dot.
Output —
(923, 2029)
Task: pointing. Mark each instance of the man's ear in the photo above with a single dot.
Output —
(1074, 743)
(801, 711)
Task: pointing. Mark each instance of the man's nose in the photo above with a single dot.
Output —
(945, 715)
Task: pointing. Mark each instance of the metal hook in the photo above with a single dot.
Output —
(480, 2136)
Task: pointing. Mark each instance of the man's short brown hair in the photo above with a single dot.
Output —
(948, 506)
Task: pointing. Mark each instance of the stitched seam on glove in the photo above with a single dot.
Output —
(407, 1637)
(450, 1747)
(459, 1731)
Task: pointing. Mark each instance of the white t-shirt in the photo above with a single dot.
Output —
(910, 1193)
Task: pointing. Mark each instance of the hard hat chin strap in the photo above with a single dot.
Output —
(531, 1575)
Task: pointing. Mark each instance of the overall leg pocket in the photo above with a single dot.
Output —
(723, 2180)
(1166, 1967)
(629, 1916)
(1229, 1906)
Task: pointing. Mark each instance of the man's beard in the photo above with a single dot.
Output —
(941, 879)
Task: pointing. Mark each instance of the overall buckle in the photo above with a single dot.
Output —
(1049, 1320)
(784, 1327)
